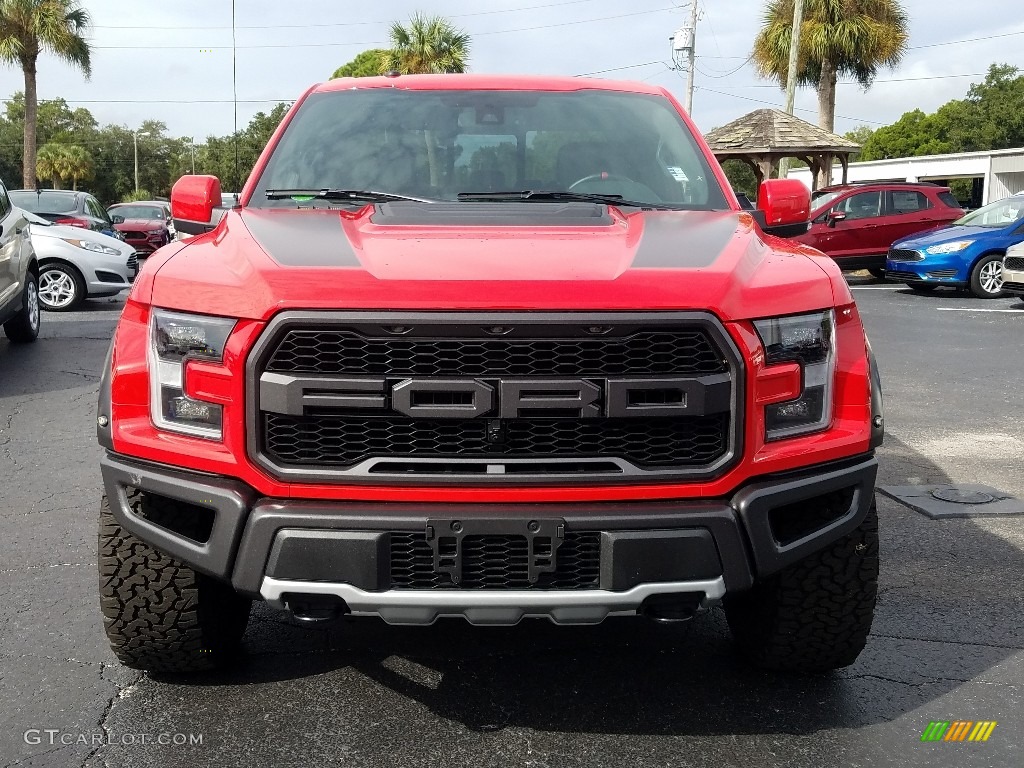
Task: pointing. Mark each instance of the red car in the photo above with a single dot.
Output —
(491, 347)
(144, 226)
(856, 223)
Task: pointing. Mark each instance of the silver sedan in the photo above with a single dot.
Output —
(76, 264)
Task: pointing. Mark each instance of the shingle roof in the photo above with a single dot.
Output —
(766, 131)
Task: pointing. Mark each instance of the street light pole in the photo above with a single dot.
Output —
(192, 149)
(135, 137)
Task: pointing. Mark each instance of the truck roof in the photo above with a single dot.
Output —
(473, 82)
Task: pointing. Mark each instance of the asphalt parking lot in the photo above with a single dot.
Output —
(947, 644)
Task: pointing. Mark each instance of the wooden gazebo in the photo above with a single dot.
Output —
(765, 136)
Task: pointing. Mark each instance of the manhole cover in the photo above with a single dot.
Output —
(962, 496)
(963, 500)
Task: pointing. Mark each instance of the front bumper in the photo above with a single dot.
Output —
(1013, 281)
(286, 550)
(951, 269)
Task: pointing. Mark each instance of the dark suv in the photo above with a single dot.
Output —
(63, 206)
(856, 223)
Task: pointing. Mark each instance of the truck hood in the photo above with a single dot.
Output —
(531, 256)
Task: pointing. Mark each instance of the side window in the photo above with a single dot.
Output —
(863, 205)
(95, 209)
(948, 200)
(907, 201)
(5, 201)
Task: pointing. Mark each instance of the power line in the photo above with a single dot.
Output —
(618, 69)
(773, 104)
(343, 23)
(373, 42)
(965, 40)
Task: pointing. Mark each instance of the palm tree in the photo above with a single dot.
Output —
(427, 46)
(79, 165)
(31, 27)
(50, 163)
(837, 37)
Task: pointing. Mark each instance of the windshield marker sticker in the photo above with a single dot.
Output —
(302, 238)
(685, 239)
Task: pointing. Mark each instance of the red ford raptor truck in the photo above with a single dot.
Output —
(491, 347)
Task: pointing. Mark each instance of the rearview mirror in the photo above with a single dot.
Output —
(117, 219)
(833, 216)
(193, 199)
(783, 207)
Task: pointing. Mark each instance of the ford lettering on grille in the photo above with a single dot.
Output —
(497, 398)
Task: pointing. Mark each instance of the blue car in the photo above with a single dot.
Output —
(966, 254)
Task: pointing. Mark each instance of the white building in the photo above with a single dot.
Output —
(1001, 171)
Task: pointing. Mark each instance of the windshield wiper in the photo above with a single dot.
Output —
(345, 195)
(552, 196)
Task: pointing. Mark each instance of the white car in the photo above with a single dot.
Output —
(77, 264)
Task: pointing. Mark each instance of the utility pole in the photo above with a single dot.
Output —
(692, 59)
(684, 53)
(794, 56)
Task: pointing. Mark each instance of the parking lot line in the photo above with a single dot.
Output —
(971, 309)
(876, 287)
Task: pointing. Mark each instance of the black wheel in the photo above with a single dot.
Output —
(877, 272)
(987, 277)
(159, 614)
(921, 287)
(61, 287)
(23, 328)
(815, 615)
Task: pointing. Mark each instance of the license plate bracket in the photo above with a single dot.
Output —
(543, 537)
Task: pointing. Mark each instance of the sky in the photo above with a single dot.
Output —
(172, 61)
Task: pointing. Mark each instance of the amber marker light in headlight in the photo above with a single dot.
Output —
(176, 338)
(809, 340)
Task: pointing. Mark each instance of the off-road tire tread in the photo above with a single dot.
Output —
(159, 614)
(815, 615)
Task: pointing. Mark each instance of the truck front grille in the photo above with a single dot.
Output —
(496, 562)
(324, 403)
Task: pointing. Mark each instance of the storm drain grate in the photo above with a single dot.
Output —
(945, 501)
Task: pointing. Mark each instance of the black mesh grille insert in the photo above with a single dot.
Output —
(342, 441)
(496, 562)
(901, 254)
(649, 352)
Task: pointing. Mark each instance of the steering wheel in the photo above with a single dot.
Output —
(601, 177)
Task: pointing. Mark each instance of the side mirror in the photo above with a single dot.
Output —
(783, 207)
(117, 219)
(193, 199)
(833, 216)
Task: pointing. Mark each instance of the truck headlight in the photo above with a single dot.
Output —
(176, 338)
(811, 341)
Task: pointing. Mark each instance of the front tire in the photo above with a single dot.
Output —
(61, 287)
(159, 614)
(23, 328)
(815, 615)
(987, 277)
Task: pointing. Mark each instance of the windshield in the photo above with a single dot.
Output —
(438, 144)
(1001, 213)
(44, 202)
(147, 212)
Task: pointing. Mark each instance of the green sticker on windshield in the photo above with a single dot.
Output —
(302, 198)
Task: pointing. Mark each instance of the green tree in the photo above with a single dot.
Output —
(366, 64)
(79, 165)
(428, 45)
(51, 163)
(31, 27)
(837, 37)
